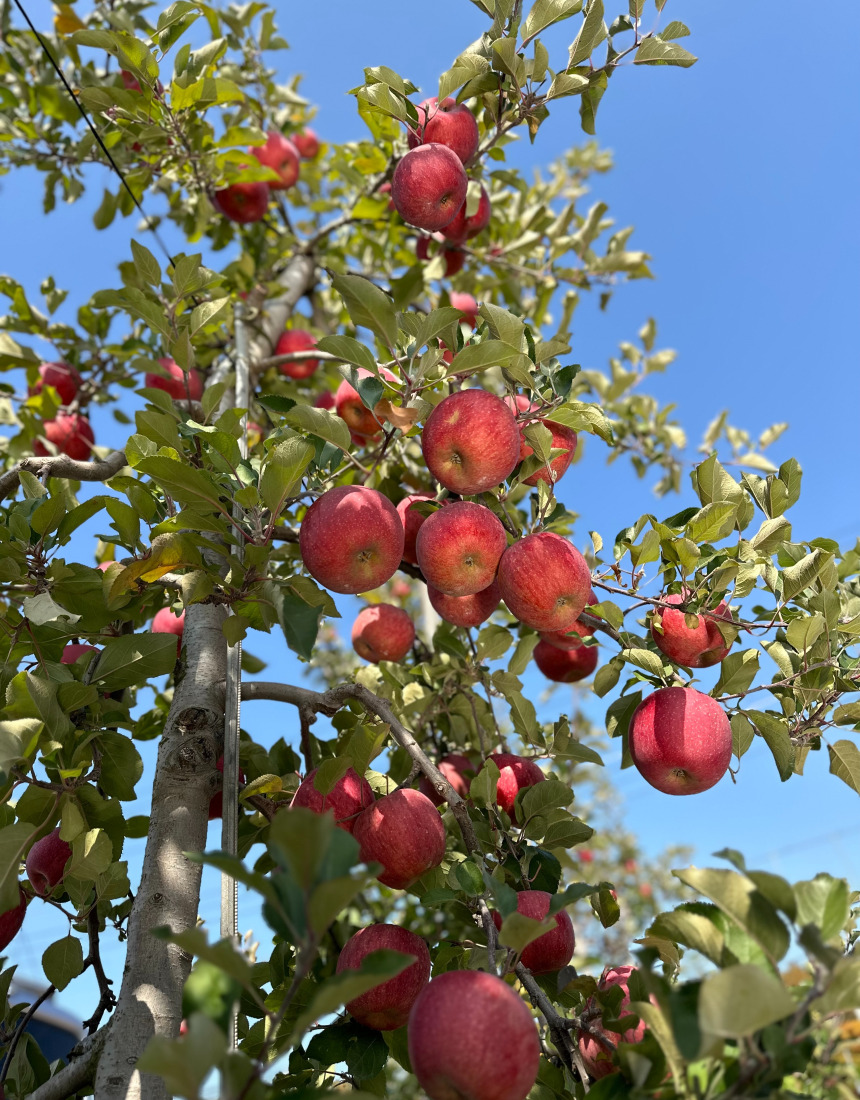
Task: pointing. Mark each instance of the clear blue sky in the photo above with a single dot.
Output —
(741, 176)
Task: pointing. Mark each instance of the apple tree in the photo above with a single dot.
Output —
(368, 387)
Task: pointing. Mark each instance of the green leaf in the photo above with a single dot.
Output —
(825, 902)
(774, 730)
(14, 840)
(545, 796)
(801, 575)
(741, 1000)
(690, 926)
(298, 619)
(183, 482)
(493, 641)
(843, 989)
(565, 84)
(583, 417)
(737, 896)
(706, 524)
(518, 931)
(121, 766)
(134, 658)
(737, 672)
(185, 1064)
(63, 961)
(645, 659)
(145, 264)
(591, 33)
(285, 466)
(331, 994)
(320, 422)
(350, 351)
(565, 831)
(368, 306)
(654, 51)
(546, 12)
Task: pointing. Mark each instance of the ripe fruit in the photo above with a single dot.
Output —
(404, 832)
(70, 433)
(359, 419)
(454, 257)
(351, 539)
(346, 800)
(411, 520)
(385, 189)
(466, 304)
(565, 666)
(387, 1006)
(545, 581)
(698, 646)
(471, 1037)
(46, 862)
(12, 919)
(448, 124)
(382, 632)
(281, 156)
(180, 386)
(459, 547)
(572, 638)
(243, 202)
(515, 773)
(429, 187)
(324, 400)
(465, 611)
(297, 339)
(307, 143)
(73, 652)
(458, 770)
(597, 1058)
(680, 740)
(63, 377)
(552, 950)
(216, 802)
(471, 442)
(166, 621)
(463, 228)
(562, 438)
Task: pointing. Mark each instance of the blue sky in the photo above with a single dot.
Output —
(741, 177)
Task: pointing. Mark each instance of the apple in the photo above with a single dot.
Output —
(297, 339)
(471, 1037)
(698, 646)
(466, 304)
(167, 621)
(680, 740)
(216, 803)
(346, 800)
(596, 1057)
(545, 581)
(552, 950)
(46, 862)
(462, 227)
(404, 832)
(429, 187)
(401, 590)
(307, 143)
(281, 155)
(181, 386)
(63, 377)
(454, 257)
(243, 202)
(12, 919)
(447, 123)
(73, 652)
(382, 632)
(465, 611)
(351, 539)
(325, 400)
(70, 433)
(471, 442)
(386, 1006)
(385, 189)
(459, 547)
(586, 855)
(411, 520)
(572, 638)
(360, 420)
(516, 773)
(565, 666)
(459, 770)
(131, 84)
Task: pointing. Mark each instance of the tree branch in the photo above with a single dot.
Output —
(62, 466)
(77, 1073)
(561, 1038)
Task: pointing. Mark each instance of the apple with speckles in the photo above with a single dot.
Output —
(552, 950)
(429, 187)
(386, 1006)
(382, 632)
(349, 797)
(516, 773)
(545, 581)
(459, 547)
(471, 442)
(404, 832)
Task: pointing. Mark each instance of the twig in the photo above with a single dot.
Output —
(62, 466)
(21, 1027)
(107, 1000)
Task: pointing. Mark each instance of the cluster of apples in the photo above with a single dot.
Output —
(248, 202)
(69, 432)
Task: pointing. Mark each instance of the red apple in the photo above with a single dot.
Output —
(351, 539)
(73, 652)
(166, 621)
(448, 124)
(515, 773)
(382, 632)
(553, 949)
(458, 548)
(462, 227)
(297, 339)
(429, 187)
(325, 400)
(307, 143)
(129, 81)
(282, 157)
(544, 581)
(699, 646)
(46, 862)
(572, 638)
(562, 438)
(12, 919)
(70, 433)
(404, 832)
(243, 202)
(465, 611)
(411, 520)
(346, 800)
(401, 590)
(63, 377)
(471, 442)
(216, 802)
(596, 1057)
(180, 386)
(586, 855)
(454, 257)
(387, 1006)
(360, 420)
(471, 1037)
(467, 305)
(565, 666)
(680, 740)
(385, 189)
(458, 770)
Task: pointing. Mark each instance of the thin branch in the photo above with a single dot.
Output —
(20, 1028)
(78, 1073)
(561, 1038)
(62, 466)
(107, 1000)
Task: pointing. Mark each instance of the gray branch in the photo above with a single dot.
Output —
(78, 1073)
(62, 466)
